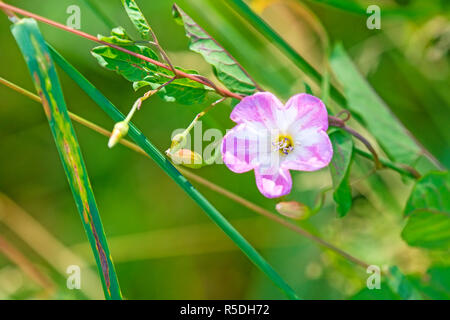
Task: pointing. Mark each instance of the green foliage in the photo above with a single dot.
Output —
(46, 81)
(428, 209)
(369, 107)
(143, 73)
(136, 16)
(225, 67)
(340, 170)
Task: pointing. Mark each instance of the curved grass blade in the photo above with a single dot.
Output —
(226, 68)
(165, 164)
(259, 24)
(43, 72)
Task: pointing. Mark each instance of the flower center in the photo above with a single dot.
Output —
(284, 144)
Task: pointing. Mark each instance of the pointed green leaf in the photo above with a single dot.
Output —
(340, 170)
(428, 209)
(143, 73)
(136, 16)
(130, 67)
(43, 72)
(225, 67)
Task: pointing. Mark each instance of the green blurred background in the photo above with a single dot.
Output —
(163, 245)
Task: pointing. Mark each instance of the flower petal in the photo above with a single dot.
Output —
(312, 151)
(311, 112)
(260, 107)
(242, 146)
(273, 185)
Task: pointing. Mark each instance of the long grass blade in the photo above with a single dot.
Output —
(43, 72)
(165, 164)
(259, 24)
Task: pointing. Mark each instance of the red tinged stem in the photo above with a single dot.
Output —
(181, 74)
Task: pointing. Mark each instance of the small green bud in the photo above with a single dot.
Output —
(178, 142)
(293, 210)
(120, 130)
(187, 158)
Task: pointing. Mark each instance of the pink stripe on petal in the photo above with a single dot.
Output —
(260, 107)
(311, 112)
(274, 185)
(313, 151)
(240, 148)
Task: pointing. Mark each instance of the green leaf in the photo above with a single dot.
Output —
(140, 139)
(43, 72)
(130, 67)
(225, 67)
(136, 16)
(362, 100)
(143, 73)
(428, 209)
(401, 285)
(340, 170)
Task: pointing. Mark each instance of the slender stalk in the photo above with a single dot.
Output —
(13, 254)
(402, 169)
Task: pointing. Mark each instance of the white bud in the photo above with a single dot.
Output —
(293, 210)
(187, 158)
(120, 130)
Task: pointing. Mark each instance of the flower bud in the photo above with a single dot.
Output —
(120, 130)
(293, 210)
(187, 158)
(178, 142)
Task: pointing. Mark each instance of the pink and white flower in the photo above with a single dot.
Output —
(271, 139)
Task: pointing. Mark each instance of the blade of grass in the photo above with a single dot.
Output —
(259, 24)
(165, 164)
(99, 13)
(43, 72)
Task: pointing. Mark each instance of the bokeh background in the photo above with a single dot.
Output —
(163, 245)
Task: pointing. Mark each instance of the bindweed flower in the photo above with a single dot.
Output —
(271, 139)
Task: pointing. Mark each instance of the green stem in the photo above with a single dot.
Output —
(406, 170)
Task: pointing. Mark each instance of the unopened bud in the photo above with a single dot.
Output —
(293, 210)
(187, 158)
(120, 130)
(178, 142)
